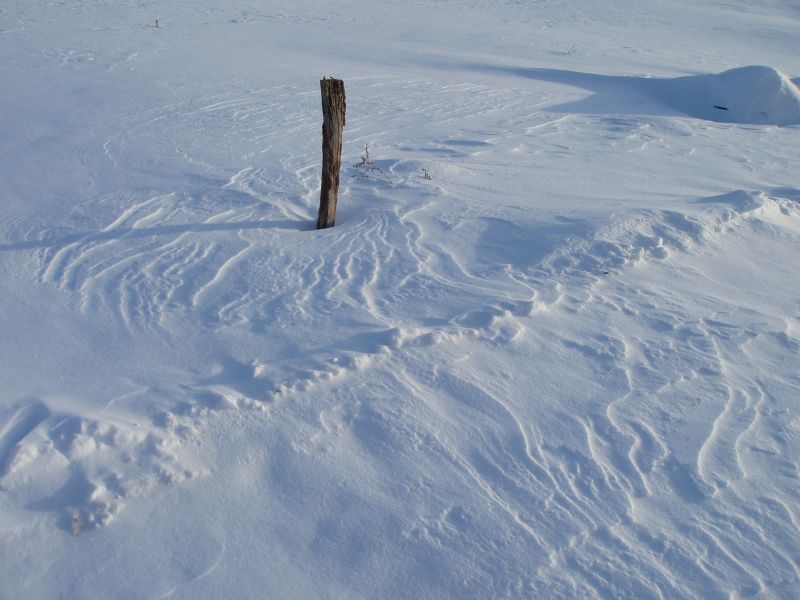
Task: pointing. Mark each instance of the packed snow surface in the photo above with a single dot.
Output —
(549, 350)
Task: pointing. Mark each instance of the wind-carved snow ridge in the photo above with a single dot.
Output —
(564, 279)
(159, 255)
(643, 492)
(496, 323)
(81, 468)
(659, 234)
(710, 458)
(633, 510)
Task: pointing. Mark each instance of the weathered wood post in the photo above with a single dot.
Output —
(333, 109)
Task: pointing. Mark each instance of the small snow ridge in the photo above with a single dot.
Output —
(755, 94)
(80, 468)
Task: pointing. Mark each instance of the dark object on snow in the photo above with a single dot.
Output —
(720, 107)
(333, 109)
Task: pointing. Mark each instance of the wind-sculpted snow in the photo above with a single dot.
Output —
(747, 95)
(551, 353)
(753, 94)
(589, 486)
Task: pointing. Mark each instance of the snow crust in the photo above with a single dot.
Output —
(552, 354)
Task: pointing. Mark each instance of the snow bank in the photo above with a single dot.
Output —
(754, 94)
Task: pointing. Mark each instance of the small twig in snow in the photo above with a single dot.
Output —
(366, 169)
(571, 50)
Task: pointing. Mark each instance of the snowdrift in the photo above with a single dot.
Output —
(755, 94)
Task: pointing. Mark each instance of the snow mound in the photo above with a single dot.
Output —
(754, 94)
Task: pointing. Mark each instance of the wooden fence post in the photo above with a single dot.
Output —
(333, 111)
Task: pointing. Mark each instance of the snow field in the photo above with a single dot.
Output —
(562, 366)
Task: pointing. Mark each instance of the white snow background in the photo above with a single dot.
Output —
(555, 353)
